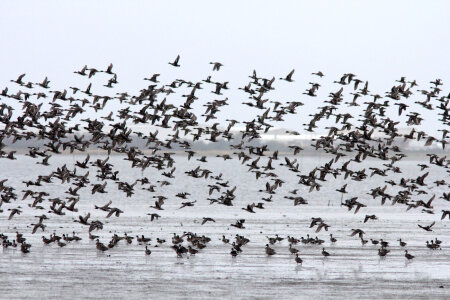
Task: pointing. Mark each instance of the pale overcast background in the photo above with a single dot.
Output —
(380, 41)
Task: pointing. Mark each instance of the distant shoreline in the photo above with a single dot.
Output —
(307, 153)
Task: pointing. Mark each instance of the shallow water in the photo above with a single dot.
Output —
(352, 271)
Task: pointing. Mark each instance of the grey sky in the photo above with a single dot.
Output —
(377, 40)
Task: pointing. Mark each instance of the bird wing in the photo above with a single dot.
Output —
(290, 74)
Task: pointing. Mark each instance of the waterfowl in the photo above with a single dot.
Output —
(180, 250)
(19, 79)
(14, 211)
(384, 244)
(239, 224)
(114, 211)
(428, 227)
(358, 232)
(129, 239)
(216, 66)
(82, 72)
(432, 245)
(61, 244)
(408, 256)
(292, 250)
(100, 246)
(192, 251)
(332, 239)
(25, 248)
(175, 62)
(93, 237)
(46, 240)
(370, 217)
(318, 241)
(288, 78)
(143, 239)
(154, 216)
(269, 251)
(292, 240)
(383, 251)
(320, 74)
(225, 240)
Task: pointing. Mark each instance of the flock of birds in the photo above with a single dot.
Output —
(23, 118)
